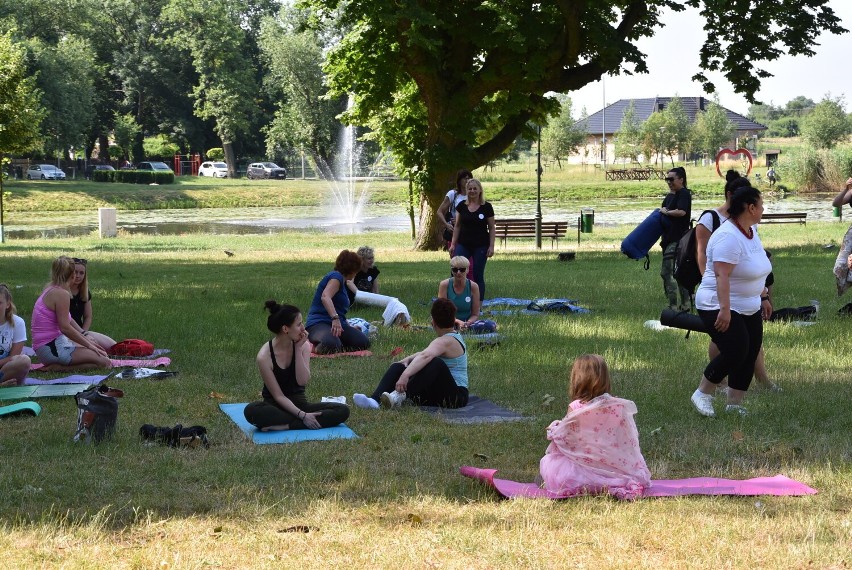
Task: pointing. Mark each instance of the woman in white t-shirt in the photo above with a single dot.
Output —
(733, 301)
(13, 334)
(447, 210)
(704, 228)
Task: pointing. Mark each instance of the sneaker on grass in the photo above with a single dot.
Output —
(703, 403)
(393, 399)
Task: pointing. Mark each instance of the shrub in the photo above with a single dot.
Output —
(103, 175)
(801, 168)
(159, 146)
(215, 154)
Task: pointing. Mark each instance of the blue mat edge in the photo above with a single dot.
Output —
(234, 411)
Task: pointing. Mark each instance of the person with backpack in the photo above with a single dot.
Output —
(677, 207)
(706, 225)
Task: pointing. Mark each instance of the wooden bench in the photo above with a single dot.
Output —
(525, 228)
(785, 218)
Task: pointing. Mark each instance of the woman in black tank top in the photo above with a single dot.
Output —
(284, 364)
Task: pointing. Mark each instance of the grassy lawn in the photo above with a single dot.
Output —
(394, 498)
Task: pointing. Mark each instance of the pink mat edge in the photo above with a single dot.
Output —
(779, 485)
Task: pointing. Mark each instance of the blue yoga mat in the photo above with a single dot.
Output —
(21, 409)
(235, 412)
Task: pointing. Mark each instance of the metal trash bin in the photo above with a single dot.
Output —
(587, 220)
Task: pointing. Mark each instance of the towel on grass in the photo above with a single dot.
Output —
(778, 485)
(161, 361)
(532, 306)
(28, 351)
(235, 412)
(477, 411)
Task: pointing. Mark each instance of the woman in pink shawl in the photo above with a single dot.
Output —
(595, 447)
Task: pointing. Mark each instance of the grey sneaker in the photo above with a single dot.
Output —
(703, 403)
(736, 409)
(392, 400)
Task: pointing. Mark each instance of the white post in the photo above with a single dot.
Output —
(107, 226)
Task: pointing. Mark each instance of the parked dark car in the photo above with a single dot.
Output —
(157, 166)
(260, 170)
(92, 167)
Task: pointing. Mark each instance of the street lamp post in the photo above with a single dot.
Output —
(538, 196)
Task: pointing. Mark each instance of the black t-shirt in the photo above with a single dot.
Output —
(680, 200)
(78, 305)
(364, 281)
(473, 226)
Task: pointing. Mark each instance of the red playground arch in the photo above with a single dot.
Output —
(187, 164)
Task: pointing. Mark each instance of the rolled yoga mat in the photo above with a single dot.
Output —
(682, 320)
(639, 242)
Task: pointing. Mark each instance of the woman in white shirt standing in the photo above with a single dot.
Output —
(733, 301)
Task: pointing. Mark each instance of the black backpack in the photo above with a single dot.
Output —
(97, 411)
(686, 271)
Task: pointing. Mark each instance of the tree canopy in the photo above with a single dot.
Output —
(480, 71)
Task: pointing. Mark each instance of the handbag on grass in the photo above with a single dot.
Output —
(97, 413)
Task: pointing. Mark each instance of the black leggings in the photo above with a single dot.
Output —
(351, 339)
(738, 348)
(268, 413)
(432, 386)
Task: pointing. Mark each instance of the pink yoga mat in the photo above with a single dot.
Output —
(778, 485)
(135, 363)
(338, 354)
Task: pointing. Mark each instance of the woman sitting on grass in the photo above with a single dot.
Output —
(327, 328)
(364, 289)
(59, 342)
(13, 334)
(285, 366)
(436, 376)
(595, 447)
(81, 304)
(463, 293)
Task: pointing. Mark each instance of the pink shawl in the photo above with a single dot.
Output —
(595, 449)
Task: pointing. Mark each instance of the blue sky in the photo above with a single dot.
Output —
(676, 46)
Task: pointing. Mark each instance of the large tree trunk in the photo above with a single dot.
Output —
(230, 158)
(429, 235)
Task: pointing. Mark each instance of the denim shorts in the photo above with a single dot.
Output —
(57, 351)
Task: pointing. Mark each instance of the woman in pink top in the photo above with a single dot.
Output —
(595, 447)
(58, 341)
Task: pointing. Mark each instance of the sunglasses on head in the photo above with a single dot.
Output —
(670, 179)
(79, 260)
(458, 269)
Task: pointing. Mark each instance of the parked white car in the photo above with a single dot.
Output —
(214, 169)
(44, 172)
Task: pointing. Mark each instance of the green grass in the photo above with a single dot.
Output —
(393, 498)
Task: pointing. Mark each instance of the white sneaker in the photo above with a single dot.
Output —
(736, 409)
(703, 403)
(334, 399)
(393, 399)
(364, 401)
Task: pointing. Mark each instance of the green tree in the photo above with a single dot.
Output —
(560, 137)
(20, 110)
(126, 131)
(676, 132)
(306, 116)
(484, 68)
(654, 138)
(628, 139)
(827, 124)
(799, 106)
(783, 127)
(159, 146)
(225, 90)
(712, 129)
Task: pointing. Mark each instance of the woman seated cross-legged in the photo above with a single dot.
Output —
(462, 292)
(435, 376)
(284, 364)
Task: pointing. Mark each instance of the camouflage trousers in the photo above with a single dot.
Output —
(670, 285)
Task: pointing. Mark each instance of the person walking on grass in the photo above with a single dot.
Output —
(677, 207)
(285, 367)
(474, 232)
(733, 302)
